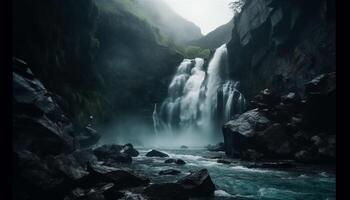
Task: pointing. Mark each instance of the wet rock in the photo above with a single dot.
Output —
(88, 137)
(170, 160)
(112, 154)
(39, 125)
(84, 156)
(251, 155)
(67, 165)
(216, 147)
(166, 191)
(120, 178)
(198, 184)
(169, 172)
(291, 98)
(180, 162)
(223, 161)
(97, 193)
(155, 153)
(184, 147)
(267, 98)
(128, 149)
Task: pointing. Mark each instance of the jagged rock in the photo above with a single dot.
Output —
(238, 132)
(266, 99)
(198, 184)
(291, 98)
(129, 150)
(155, 153)
(84, 156)
(112, 154)
(216, 147)
(223, 161)
(67, 165)
(120, 178)
(98, 193)
(169, 172)
(39, 124)
(88, 137)
(166, 191)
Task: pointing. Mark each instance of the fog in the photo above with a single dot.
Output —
(134, 129)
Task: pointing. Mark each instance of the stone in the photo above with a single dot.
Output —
(223, 161)
(88, 137)
(166, 191)
(180, 162)
(198, 184)
(128, 149)
(217, 147)
(169, 172)
(155, 153)
(112, 154)
(184, 147)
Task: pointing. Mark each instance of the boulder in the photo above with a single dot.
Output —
(239, 133)
(267, 98)
(112, 154)
(120, 178)
(217, 147)
(198, 184)
(155, 153)
(166, 191)
(97, 193)
(128, 149)
(88, 137)
(184, 147)
(84, 156)
(176, 161)
(223, 161)
(169, 172)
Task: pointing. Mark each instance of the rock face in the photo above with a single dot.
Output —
(88, 137)
(217, 147)
(282, 44)
(155, 153)
(198, 184)
(288, 126)
(39, 124)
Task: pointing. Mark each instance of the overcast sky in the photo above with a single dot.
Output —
(207, 14)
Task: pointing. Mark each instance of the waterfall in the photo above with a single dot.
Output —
(199, 99)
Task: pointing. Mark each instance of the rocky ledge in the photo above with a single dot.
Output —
(287, 126)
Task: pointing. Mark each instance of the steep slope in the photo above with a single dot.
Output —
(216, 38)
(282, 44)
(100, 60)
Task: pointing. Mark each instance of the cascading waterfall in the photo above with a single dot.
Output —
(199, 99)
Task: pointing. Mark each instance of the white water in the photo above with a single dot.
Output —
(199, 101)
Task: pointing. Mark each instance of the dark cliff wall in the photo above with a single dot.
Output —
(100, 61)
(282, 44)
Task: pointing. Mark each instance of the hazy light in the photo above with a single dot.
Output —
(207, 14)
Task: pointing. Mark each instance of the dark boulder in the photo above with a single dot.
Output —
(223, 161)
(112, 154)
(84, 156)
(266, 99)
(184, 147)
(216, 147)
(198, 184)
(128, 149)
(239, 133)
(180, 162)
(166, 191)
(155, 153)
(176, 161)
(97, 193)
(169, 172)
(88, 137)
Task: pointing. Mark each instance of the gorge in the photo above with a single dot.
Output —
(126, 99)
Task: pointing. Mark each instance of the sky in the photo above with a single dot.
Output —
(207, 14)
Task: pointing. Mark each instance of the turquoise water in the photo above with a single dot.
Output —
(235, 181)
